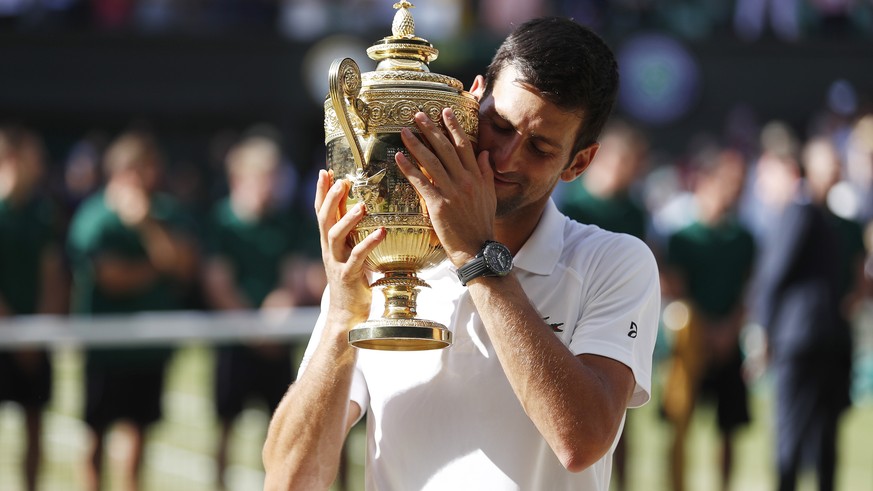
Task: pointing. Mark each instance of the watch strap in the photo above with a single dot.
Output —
(475, 268)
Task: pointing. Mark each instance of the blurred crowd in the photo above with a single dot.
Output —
(765, 256)
(764, 233)
(119, 240)
(764, 250)
(789, 20)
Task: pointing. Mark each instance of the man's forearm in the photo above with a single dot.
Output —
(575, 408)
(306, 434)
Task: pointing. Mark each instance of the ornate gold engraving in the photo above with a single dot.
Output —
(392, 110)
(363, 116)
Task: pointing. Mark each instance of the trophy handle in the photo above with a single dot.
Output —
(345, 83)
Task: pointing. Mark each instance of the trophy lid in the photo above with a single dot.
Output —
(385, 100)
(402, 58)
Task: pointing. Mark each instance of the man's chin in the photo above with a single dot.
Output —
(507, 207)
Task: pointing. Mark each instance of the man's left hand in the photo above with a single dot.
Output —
(457, 187)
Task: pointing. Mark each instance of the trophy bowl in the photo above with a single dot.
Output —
(363, 117)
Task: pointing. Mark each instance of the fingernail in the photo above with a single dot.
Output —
(450, 113)
(421, 117)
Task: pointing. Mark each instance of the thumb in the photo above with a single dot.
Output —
(484, 161)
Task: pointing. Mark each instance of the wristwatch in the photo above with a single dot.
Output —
(494, 259)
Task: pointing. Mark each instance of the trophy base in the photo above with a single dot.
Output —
(388, 334)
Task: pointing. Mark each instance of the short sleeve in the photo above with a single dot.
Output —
(620, 311)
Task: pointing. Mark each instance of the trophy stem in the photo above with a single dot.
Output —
(398, 329)
(401, 290)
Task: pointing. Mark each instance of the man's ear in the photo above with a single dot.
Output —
(580, 162)
(478, 87)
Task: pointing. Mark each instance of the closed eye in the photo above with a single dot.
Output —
(538, 150)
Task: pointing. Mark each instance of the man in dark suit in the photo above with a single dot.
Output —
(799, 293)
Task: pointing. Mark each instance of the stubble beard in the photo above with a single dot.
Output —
(507, 206)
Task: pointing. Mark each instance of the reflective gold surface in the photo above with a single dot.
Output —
(363, 116)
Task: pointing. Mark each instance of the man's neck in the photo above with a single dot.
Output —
(515, 229)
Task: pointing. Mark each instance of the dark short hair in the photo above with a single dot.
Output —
(569, 64)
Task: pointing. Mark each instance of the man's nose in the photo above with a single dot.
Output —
(505, 154)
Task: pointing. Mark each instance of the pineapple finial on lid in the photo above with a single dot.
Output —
(403, 46)
(403, 24)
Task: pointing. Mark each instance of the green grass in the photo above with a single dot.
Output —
(180, 447)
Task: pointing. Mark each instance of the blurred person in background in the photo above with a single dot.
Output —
(708, 265)
(859, 163)
(131, 250)
(255, 259)
(800, 293)
(603, 197)
(31, 279)
(823, 170)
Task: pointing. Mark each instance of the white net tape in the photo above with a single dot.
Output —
(156, 328)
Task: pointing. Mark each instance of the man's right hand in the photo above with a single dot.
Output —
(350, 295)
(305, 438)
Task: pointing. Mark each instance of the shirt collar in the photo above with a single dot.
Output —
(541, 252)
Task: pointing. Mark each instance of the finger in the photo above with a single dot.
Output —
(414, 175)
(328, 213)
(442, 148)
(484, 165)
(359, 253)
(424, 156)
(322, 185)
(338, 234)
(459, 138)
(335, 193)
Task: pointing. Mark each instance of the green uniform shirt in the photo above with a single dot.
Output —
(715, 263)
(96, 230)
(616, 214)
(255, 250)
(25, 232)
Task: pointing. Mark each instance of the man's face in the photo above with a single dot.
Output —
(252, 191)
(143, 174)
(529, 141)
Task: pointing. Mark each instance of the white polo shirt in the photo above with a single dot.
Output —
(449, 420)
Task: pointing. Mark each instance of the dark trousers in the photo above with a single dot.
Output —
(810, 395)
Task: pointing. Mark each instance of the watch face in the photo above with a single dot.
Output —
(498, 258)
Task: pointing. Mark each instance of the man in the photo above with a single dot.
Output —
(131, 250)
(802, 286)
(546, 359)
(709, 264)
(253, 262)
(31, 280)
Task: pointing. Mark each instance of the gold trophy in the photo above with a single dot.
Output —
(363, 116)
